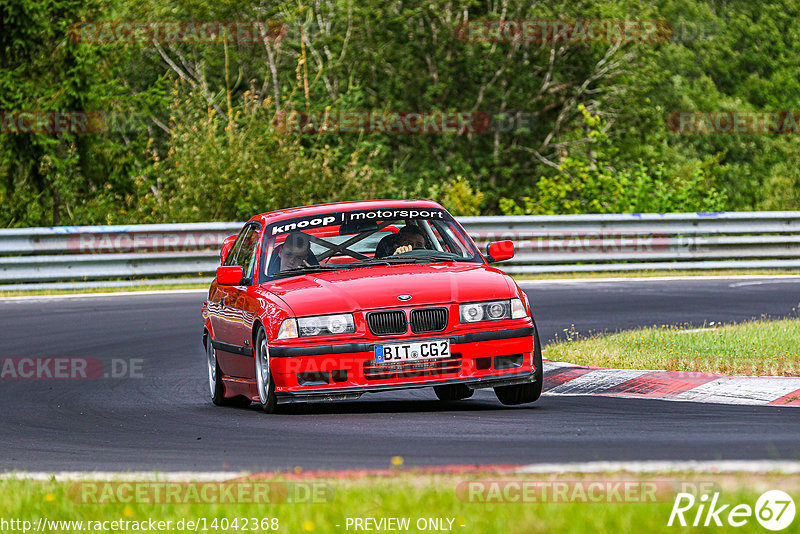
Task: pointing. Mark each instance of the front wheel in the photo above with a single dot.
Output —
(525, 393)
(215, 379)
(264, 382)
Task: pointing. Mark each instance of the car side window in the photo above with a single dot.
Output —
(247, 254)
(243, 252)
(440, 240)
(449, 240)
(234, 252)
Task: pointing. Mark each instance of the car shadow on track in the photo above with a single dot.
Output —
(392, 406)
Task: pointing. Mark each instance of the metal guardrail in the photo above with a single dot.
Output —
(85, 256)
(93, 256)
(645, 241)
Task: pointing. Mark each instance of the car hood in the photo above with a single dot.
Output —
(367, 288)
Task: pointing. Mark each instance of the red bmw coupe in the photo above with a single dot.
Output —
(328, 302)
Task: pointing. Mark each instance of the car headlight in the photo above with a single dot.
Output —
(321, 325)
(495, 310)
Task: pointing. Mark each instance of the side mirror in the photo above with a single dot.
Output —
(230, 275)
(227, 245)
(500, 250)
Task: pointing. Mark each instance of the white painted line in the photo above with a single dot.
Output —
(787, 467)
(124, 476)
(742, 390)
(784, 278)
(594, 382)
(722, 466)
(759, 283)
(729, 401)
(99, 295)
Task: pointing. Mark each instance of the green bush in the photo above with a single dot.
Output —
(588, 182)
(218, 170)
(459, 197)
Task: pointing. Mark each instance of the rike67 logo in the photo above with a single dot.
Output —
(774, 510)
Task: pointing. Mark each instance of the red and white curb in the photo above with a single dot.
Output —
(568, 379)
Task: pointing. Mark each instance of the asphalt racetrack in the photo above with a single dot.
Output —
(162, 419)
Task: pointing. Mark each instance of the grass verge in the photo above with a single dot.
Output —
(519, 277)
(763, 348)
(81, 291)
(457, 503)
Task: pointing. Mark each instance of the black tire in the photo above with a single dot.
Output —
(453, 392)
(525, 393)
(215, 380)
(264, 382)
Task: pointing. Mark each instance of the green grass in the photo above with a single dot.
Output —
(765, 348)
(161, 287)
(415, 497)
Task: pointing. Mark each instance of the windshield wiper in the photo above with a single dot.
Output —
(330, 267)
(427, 258)
(368, 263)
(309, 269)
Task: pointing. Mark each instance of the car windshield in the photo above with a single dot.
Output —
(363, 238)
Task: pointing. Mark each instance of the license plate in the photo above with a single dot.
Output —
(412, 352)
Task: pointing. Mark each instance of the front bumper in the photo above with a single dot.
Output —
(479, 360)
(353, 393)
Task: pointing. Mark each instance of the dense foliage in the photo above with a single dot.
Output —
(196, 131)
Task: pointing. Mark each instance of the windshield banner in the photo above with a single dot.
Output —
(346, 217)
